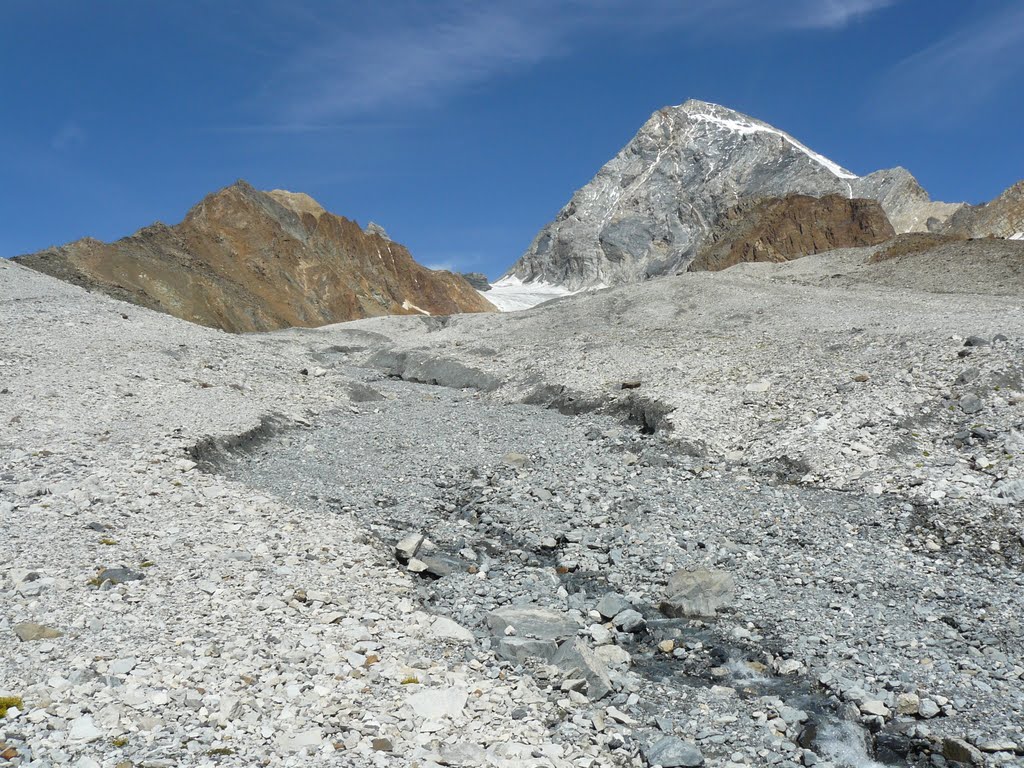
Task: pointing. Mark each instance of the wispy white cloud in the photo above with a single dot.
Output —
(833, 14)
(415, 64)
(448, 266)
(69, 135)
(961, 71)
(401, 55)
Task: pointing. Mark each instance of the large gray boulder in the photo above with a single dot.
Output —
(699, 593)
(670, 752)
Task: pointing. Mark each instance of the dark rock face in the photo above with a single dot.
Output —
(245, 260)
(782, 229)
(477, 279)
(650, 210)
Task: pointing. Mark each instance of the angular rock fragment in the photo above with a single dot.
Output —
(118, 576)
(408, 546)
(672, 752)
(517, 460)
(434, 704)
(971, 403)
(29, 632)
(445, 629)
(698, 593)
(961, 751)
(613, 604)
(537, 623)
(576, 659)
(519, 649)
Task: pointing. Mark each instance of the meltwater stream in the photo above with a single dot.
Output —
(420, 459)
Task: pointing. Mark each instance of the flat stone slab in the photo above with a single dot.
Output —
(670, 752)
(434, 703)
(29, 632)
(539, 623)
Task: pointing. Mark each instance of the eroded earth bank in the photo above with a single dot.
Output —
(764, 517)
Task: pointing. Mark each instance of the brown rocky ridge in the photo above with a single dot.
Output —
(912, 243)
(246, 260)
(780, 229)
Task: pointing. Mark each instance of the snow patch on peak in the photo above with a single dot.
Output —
(1018, 236)
(733, 121)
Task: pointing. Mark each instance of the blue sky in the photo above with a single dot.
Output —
(462, 127)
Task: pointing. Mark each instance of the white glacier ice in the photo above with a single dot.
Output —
(510, 294)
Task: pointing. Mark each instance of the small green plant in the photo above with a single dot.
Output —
(10, 702)
(146, 564)
(410, 680)
(107, 541)
(119, 741)
(221, 751)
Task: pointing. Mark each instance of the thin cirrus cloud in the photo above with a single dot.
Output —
(69, 135)
(360, 73)
(835, 14)
(370, 65)
(962, 71)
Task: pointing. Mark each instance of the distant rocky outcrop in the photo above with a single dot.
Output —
(785, 228)
(1002, 217)
(477, 279)
(651, 209)
(245, 260)
(904, 200)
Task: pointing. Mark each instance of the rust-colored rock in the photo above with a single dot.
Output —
(245, 260)
(911, 244)
(785, 228)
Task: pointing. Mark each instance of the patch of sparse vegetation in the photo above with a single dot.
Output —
(10, 702)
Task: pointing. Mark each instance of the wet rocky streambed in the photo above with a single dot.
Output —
(678, 610)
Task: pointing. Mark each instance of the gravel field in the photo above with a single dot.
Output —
(762, 517)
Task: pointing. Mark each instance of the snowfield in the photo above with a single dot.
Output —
(510, 294)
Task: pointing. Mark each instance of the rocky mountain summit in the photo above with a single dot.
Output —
(246, 260)
(649, 211)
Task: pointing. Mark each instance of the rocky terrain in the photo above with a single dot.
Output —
(1002, 217)
(245, 260)
(765, 516)
(781, 229)
(651, 208)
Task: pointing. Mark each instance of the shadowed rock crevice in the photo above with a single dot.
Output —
(210, 453)
(429, 369)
